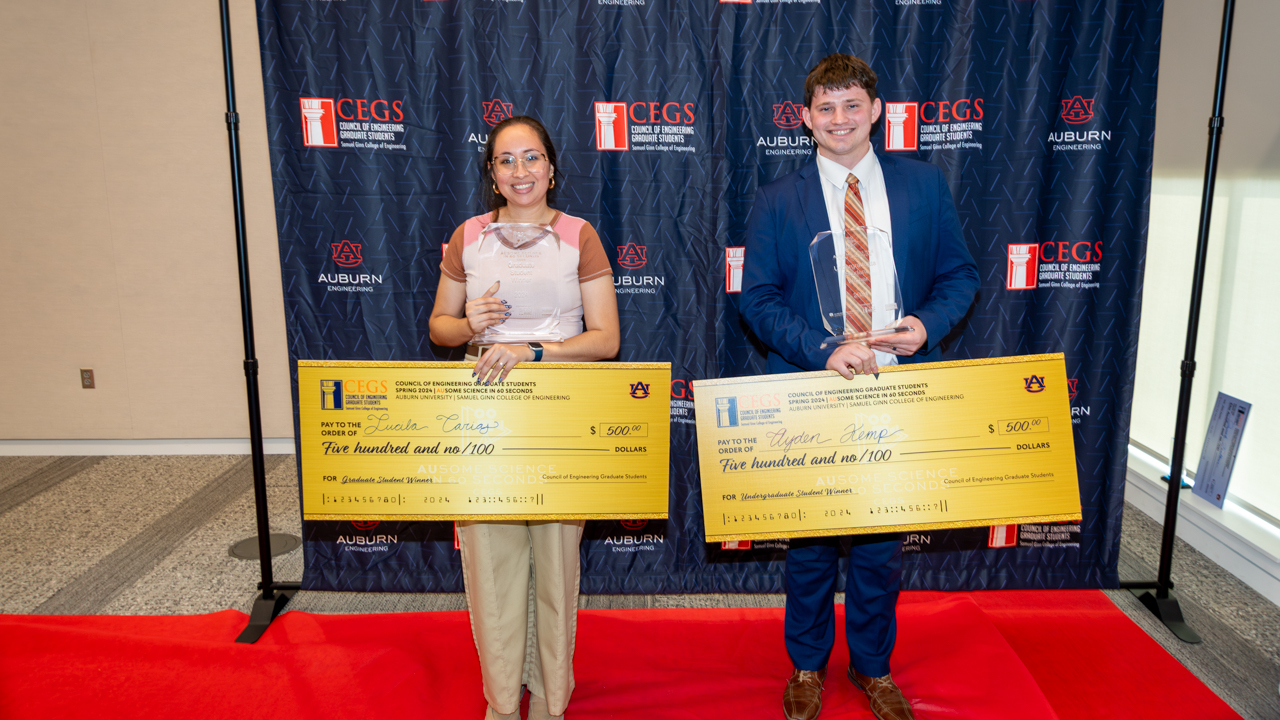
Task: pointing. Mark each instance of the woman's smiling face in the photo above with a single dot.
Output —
(522, 188)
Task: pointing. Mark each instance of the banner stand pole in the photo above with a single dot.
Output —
(271, 601)
(1161, 602)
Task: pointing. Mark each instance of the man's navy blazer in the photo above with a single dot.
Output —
(779, 300)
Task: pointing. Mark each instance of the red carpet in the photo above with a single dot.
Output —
(1015, 654)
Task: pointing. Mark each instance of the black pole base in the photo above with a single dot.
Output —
(1170, 613)
(264, 611)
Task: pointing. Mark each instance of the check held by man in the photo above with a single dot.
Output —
(847, 189)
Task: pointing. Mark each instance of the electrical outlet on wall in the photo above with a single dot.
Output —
(86, 378)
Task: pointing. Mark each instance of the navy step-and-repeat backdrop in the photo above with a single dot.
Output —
(668, 115)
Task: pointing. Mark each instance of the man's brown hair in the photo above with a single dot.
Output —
(839, 72)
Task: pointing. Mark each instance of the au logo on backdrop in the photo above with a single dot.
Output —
(787, 115)
(495, 111)
(632, 256)
(346, 253)
(1077, 110)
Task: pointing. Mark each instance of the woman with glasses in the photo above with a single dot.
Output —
(519, 178)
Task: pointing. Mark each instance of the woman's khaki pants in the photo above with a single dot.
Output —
(524, 631)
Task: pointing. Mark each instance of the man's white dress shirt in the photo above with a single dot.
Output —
(875, 208)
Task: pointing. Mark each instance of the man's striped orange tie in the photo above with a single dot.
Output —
(857, 271)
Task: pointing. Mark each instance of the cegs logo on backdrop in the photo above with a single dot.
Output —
(347, 255)
(787, 115)
(632, 537)
(352, 123)
(633, 257)
(1077, 112)
(1071, 264)
(645, 126)
(933, 125)
(682, 402)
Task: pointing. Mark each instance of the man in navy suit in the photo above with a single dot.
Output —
(847, 189)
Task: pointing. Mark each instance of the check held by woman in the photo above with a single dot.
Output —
(519, 177)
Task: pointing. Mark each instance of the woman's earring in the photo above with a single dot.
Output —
(553, 182)
(495, 188)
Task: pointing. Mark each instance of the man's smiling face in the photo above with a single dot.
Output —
(841, 122)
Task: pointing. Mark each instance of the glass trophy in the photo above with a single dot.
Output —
(524, 258)
(885, 305)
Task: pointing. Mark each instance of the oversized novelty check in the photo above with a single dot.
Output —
(423, 441)
(940, 445)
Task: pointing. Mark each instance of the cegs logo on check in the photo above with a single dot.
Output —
(726, 412)
(330, 394)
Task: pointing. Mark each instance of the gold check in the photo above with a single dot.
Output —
(423, 441)
(937, 445)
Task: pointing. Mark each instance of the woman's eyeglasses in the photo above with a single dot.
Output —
(533, 162)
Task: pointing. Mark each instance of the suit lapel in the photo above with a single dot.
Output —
(812, 202)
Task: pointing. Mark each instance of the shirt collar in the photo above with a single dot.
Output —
(836, 174)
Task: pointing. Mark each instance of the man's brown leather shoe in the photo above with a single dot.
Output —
(887, 702)
(803, 697)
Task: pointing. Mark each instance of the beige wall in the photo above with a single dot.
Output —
(117, 236)
(1188, 62)
(116, 232)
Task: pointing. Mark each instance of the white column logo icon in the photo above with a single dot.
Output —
(317, 113)
(724, 413)
(734, 257)
(1022, 267)
(896, 115)
(609, 126)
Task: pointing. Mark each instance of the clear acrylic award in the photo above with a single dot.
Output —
(885, 304)
(524, 258)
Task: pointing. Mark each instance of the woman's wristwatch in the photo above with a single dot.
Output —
(536, 347)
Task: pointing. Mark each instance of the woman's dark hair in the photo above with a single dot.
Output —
(494, 200)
